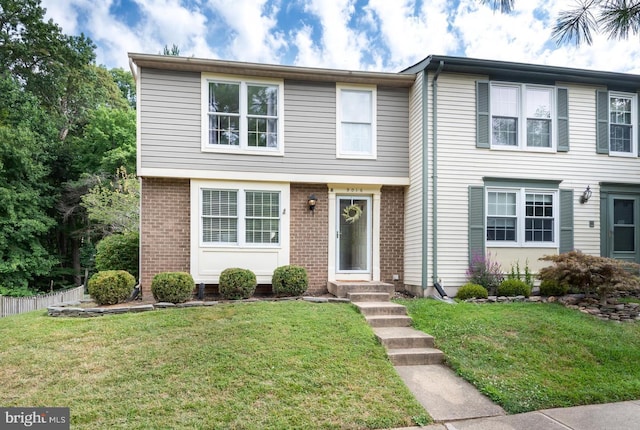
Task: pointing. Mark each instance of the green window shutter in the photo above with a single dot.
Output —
(638, 124)
(477, 233)
(602, 122)
(482, 115)
(566, 221)
(563, 119)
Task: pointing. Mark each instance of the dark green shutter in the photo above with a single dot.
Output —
(476, 221)
(482, 115)
(602, 124)
(563, 120)
(638, 98)
(566, 221)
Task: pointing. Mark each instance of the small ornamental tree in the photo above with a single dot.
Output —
(591, 274)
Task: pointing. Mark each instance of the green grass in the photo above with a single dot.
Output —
(268, 365)
(528, 356)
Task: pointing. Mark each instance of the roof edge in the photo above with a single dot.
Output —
(169, 62)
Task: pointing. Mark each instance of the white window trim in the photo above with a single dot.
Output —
(374, 114)
(634, 123)
(520, 218)
(241, 217)
(522, 118)
(243, 81)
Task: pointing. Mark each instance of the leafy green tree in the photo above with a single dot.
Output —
(125, 82)
(24, 191)
(615, 18)
(113, 206)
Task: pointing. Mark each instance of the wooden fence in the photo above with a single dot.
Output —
(18, 305)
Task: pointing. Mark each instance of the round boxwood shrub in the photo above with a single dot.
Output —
(472, 291)
(237, 283)
(119, 252)
(111, 286)
(172, 287)
(549, 287)
(289, 281)
(514, 287)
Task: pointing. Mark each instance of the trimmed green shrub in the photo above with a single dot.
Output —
(514, 287)
(472, 291)
(237, 283)
(550, 287)
(119, 252)
(111, 286)
(172, 287)
(289, 281)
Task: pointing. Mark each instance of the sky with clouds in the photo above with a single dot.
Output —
(377, 35)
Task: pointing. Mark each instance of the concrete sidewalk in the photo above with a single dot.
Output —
(457, 405)
(609, 416)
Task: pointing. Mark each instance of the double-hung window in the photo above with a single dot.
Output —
(242, 115)
(240, 217)
(622, 135)
(521, 217)
(522, 116)
(356, 122)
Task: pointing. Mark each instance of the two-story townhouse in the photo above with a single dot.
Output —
(518, 160)
(259, 166)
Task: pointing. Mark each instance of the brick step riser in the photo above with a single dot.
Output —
(398, 321)
(416, 342)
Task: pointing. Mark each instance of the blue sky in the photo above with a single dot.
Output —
(380, 35)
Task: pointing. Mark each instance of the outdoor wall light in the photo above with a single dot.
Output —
(312, 202)
(584, 198)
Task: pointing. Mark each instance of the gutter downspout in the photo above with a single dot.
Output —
(425, 180)
(434, 129)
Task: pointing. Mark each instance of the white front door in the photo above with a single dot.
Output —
(353, 235)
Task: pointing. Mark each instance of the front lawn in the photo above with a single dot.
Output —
(528, 356)
(268, 365)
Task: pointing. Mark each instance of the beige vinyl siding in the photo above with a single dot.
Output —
(170, 117)
(462, 164)
(413, 196)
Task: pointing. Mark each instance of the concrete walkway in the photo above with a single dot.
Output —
(609, 416)
(455, 404)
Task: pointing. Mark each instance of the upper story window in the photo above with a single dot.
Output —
(622, 137)
(521, 217)
(522, 116)
(242, 116)
(356, 121)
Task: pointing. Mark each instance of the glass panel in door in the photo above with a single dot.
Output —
(354, 234)
(624, 225)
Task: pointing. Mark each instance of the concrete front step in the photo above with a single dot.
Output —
(368, 297)
(403, 337)
(380, 308)
(341, 288)
(389, 321)
(415, 356)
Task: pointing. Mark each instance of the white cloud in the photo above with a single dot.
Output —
(382, 35)
(253, 27)
(339, 46)
(408, 36)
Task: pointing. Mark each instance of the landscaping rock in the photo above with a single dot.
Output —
(162, 305)
(141, 308)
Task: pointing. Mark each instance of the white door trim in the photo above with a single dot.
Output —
(374, 192)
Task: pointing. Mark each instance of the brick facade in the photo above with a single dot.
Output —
(309, 245)
(392, 235)
(165, 228)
